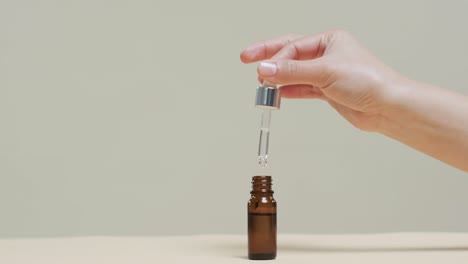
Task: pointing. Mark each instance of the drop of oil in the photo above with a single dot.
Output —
(262, 161)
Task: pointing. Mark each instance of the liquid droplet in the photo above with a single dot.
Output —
(262, 161)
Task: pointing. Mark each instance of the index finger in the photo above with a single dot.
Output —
(305, 48)
(266, 49)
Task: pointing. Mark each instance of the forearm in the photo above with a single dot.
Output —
(431, 120)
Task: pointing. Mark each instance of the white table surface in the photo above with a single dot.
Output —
(375, 248)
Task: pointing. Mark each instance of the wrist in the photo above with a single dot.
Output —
(398, 94)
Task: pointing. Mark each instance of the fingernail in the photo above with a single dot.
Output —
(267, 68)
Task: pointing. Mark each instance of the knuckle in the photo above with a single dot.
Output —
(289, 41)
(291, 49)
(292, 68)
(287, 70)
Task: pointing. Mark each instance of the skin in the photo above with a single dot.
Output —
(333, 66)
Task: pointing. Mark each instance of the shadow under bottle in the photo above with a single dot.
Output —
(261, 220)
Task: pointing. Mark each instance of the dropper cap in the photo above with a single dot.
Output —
(268, 96)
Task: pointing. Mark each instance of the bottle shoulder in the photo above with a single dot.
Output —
(262, 201)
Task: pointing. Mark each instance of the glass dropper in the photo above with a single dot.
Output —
(267, 98)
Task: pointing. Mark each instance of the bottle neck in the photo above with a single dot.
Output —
(261, 184)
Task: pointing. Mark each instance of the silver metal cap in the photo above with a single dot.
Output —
(268, 97)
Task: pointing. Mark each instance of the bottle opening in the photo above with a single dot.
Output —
(262, 184)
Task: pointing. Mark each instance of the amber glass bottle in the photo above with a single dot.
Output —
(261, 220)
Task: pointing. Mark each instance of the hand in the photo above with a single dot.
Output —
(331, 66)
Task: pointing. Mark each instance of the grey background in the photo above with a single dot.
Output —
(137, 118)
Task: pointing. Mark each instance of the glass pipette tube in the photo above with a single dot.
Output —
(264, 138)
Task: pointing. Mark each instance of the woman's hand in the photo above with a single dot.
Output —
(331, 66)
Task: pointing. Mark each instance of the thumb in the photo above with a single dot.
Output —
(314, 72)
